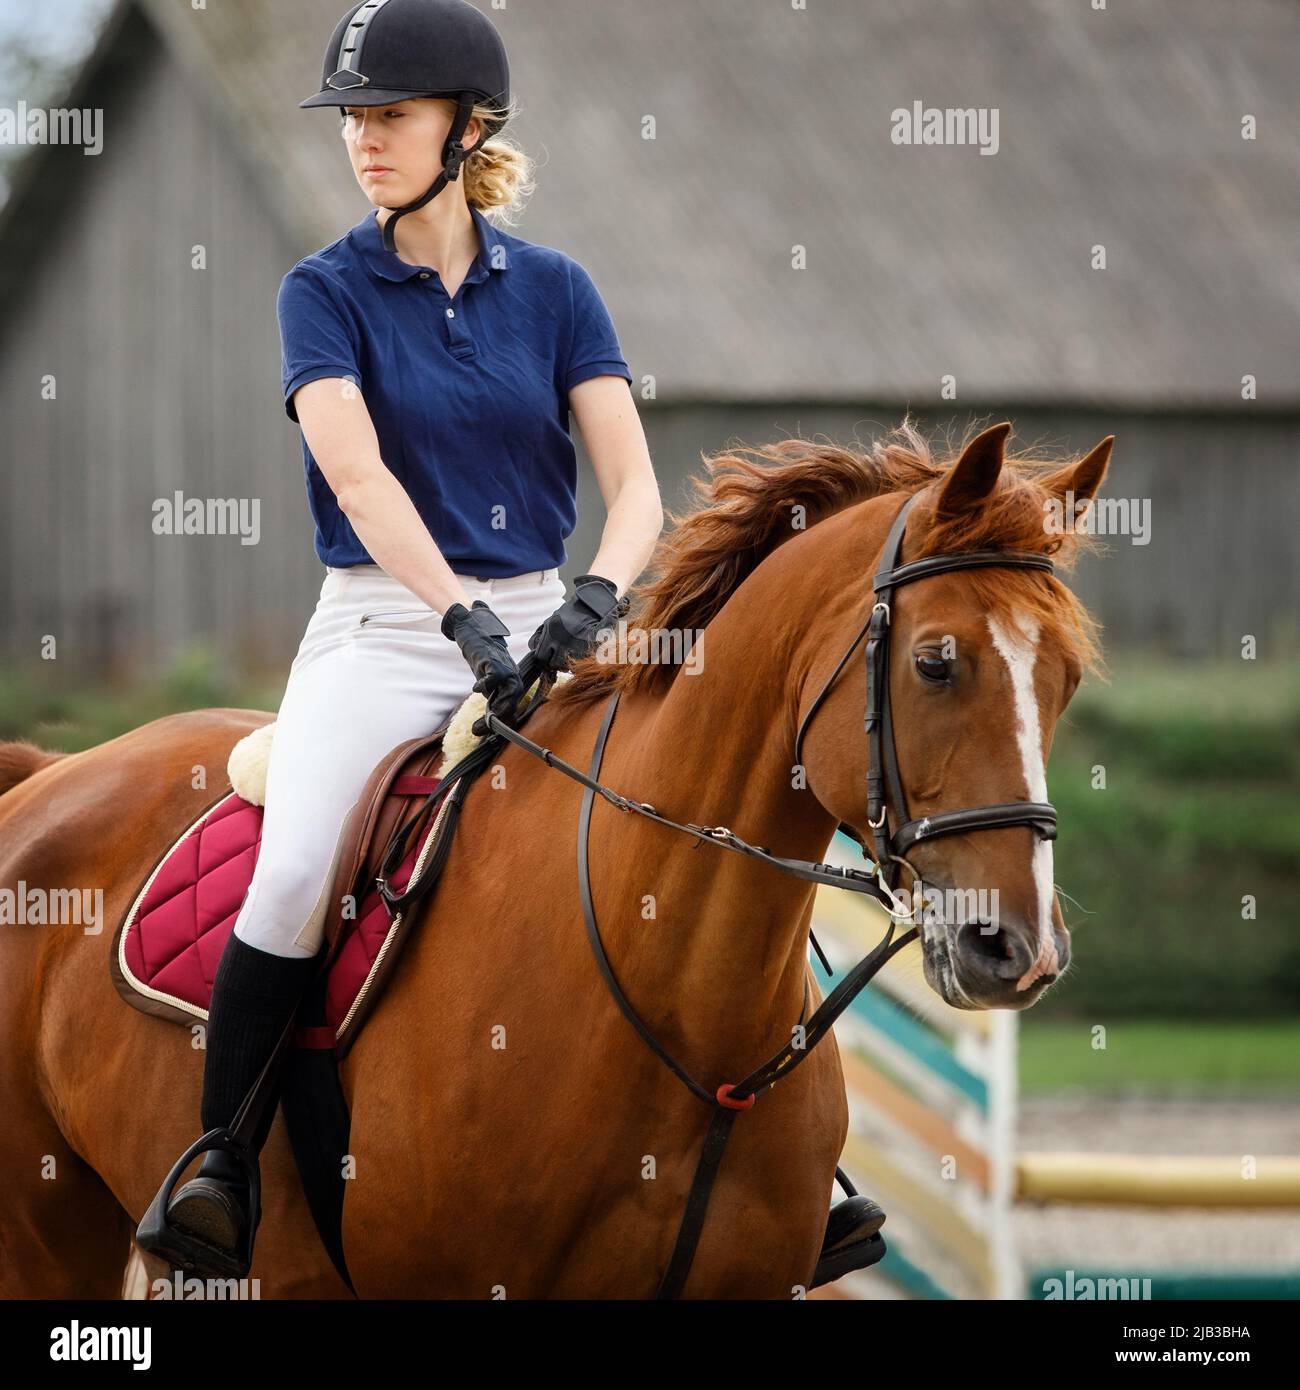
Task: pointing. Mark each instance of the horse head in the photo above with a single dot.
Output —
(982, 660)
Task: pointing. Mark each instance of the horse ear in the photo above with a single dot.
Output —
(1084, 478)
(974, 476)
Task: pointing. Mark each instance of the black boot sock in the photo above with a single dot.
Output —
(253, 996)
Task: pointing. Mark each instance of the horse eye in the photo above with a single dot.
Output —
(932, 668)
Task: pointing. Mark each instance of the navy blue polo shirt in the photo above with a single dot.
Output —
(469, 395)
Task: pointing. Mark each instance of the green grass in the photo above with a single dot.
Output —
(1160, 1053)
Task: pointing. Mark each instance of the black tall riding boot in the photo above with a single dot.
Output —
(253, 996)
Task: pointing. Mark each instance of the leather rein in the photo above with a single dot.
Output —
(884, 790)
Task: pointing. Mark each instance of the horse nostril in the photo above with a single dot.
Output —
(995, 952)
(982, 938)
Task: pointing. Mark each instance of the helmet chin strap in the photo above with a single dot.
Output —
(453, 156)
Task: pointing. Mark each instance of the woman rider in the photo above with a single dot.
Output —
(432, 361)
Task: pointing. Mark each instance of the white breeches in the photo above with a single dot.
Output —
(355, 692)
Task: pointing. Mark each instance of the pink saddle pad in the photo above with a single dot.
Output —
(170, 942)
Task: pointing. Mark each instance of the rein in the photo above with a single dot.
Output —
(727, 1099)
(884, 788)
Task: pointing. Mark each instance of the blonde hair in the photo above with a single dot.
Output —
(499, 176)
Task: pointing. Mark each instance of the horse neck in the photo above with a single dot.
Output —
(725, 969)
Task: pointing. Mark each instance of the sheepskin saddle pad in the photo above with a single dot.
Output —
(170, 941)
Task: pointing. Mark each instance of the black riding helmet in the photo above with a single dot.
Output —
(391, 50)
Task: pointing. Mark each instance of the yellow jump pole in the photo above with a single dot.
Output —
(1155, 1180)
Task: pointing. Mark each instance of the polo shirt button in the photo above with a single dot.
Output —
(424, 275)
(451, 313)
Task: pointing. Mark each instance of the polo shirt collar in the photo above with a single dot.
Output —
(388, 266)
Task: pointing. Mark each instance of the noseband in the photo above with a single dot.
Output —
(884, 783)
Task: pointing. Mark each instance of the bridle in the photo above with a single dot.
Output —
(884, 783)
(884, 790)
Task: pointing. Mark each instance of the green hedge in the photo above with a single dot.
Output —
(1201, 807)
(37, 704)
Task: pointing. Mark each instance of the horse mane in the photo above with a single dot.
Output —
(747, 506)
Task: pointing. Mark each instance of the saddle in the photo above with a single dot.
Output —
(391, 852)
(389, 855)
(170, 941)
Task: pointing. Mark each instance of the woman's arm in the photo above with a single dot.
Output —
(342, 439)
(611, 430)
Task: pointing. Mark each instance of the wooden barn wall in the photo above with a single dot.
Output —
(1224, 491)
(167, 378)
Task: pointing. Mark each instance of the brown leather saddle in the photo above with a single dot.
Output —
(395, 807)
(396, 840)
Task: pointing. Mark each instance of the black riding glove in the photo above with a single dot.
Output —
(480, 635)
(571, 631)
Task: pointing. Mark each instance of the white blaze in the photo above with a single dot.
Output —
(1019, 649)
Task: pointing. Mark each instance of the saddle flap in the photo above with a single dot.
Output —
(394, 796)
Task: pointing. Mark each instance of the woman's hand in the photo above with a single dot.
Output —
(480, 635)
(572, 629)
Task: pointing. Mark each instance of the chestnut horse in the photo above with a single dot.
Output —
(511, 1135)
